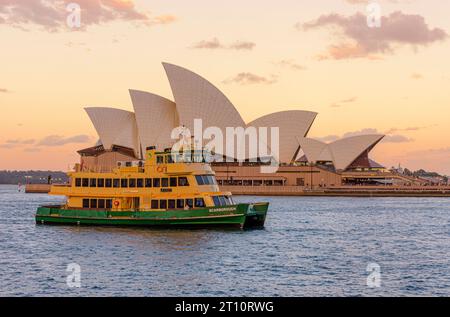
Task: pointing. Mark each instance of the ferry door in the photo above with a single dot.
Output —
(136, 202)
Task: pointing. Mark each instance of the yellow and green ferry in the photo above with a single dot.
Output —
(162, 190)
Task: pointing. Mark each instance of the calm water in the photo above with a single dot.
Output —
(310, 247)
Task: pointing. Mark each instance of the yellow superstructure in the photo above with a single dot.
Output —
(160, 182)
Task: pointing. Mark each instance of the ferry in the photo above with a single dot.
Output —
(163, 190)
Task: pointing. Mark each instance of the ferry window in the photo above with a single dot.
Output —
(93, 182)
(77, 182)
(190, 202)
(173, 182)
(108, 182)
(199, 202)
(182, 181)
(148, 182)
(101, 182)
(159, 159)
(171, 203)
(199, 179)
(116, 183)
(85, 203)
(230, 199)
(124, 182)
(180, 203)
(101, 203)
(140, 182)
(85, 182)
(109, 203)
(155, 204)
(132, 182)
(219, 182)
(169, 159)
(222, 200)
(163, 204)
(93, 203)
(164, 182)
(212, 180)
(156, 182)
(216, 201)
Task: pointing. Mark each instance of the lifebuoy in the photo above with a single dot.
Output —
(116, 203)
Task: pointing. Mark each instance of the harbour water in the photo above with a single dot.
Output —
(311, 246)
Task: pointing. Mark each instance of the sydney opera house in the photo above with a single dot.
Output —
(303, 162)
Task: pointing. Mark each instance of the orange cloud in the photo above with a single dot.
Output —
(246, 78)
(216, 44)
(363, 42)
(52, 15)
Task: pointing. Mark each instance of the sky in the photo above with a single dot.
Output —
(266, 56)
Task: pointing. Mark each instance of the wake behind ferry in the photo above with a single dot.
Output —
(163, 190)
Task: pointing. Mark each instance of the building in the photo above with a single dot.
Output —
(304, 162)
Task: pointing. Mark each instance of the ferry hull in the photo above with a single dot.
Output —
(241, 215)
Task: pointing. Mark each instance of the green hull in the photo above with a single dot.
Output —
(241, 215)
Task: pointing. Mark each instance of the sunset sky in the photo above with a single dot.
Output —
(265, 55)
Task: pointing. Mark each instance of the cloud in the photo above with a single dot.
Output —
(14, 143)
(289, 63)
(361, 41)
(32, 150)
(216, 44)
(242, 45)
(52, 15)
(342, 102)
(164, 19)
(4, 90)
(389, 138)
(8, 146)
(416, 76)
(20, 141)
(246, 78)
(409, 129)
(328, 138)
(396, 138)
(57, 140)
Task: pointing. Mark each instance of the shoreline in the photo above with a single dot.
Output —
(426, 191)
